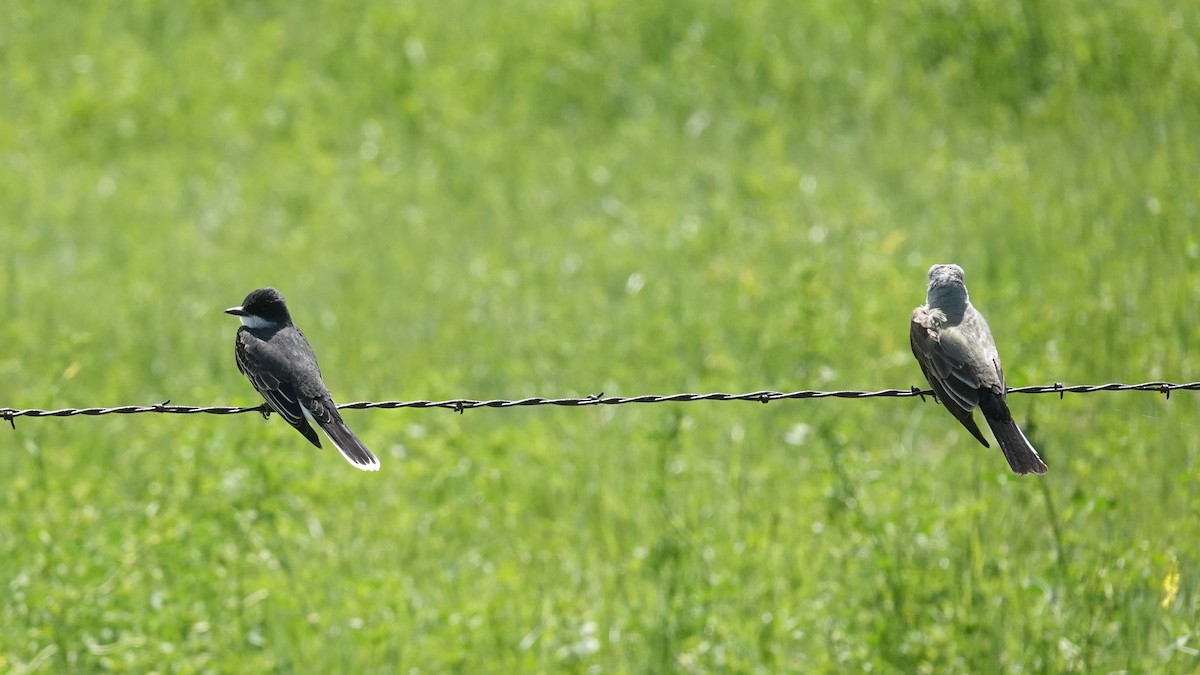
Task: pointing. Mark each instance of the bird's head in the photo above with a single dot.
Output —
(263, 307)
(940, 275)
(946, 289)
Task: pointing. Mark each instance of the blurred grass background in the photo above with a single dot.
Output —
(561, 198)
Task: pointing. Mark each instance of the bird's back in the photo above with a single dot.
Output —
(285, 350)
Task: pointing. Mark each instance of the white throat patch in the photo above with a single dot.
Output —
(252, 321)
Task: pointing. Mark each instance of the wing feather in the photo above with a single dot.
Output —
(280, 395)
(939, 369)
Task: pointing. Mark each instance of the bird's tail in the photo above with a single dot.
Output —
(1017, 449)
(346, 442)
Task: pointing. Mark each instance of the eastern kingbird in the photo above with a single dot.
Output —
(954, 346)
(272, 352)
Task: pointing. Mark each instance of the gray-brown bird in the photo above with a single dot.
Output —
(956, 351)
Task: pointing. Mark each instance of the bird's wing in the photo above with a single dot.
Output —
(920, 334)
(946, 357)
(279, 394)
(952, 393)
(979, 349)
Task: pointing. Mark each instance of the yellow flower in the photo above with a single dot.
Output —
(1170, 585)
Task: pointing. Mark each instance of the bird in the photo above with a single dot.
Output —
(274, 355)
(955, 349)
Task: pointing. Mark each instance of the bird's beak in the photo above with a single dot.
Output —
(236, 311)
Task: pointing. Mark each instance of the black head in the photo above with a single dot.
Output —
(266, 304)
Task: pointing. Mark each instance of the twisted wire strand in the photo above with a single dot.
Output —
(463, 404)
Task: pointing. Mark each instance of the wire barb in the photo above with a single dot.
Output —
(461, 405)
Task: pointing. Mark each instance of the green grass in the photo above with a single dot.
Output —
(508, 199)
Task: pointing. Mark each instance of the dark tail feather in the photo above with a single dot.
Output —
(348, 444)
(1017, 450)
(968, 421)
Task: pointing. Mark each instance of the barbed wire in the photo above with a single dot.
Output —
(463, 404)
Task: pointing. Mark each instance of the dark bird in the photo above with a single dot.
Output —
(956, 351)
(273, 353)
